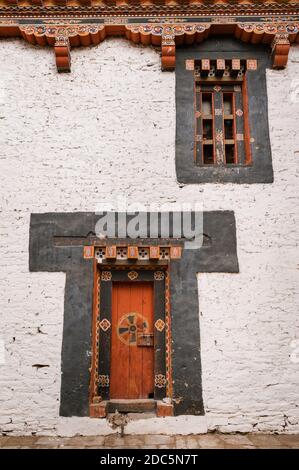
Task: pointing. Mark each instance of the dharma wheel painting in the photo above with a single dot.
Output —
(129, 326)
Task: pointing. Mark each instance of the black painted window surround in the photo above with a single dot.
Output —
(222, 132)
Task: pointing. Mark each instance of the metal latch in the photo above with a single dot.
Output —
(145, 339)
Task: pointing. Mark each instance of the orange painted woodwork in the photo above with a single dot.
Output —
(132, 252)
(132, 365)
(205, 64)
(251, 64)
(280, 51)
(164, 409)
(154, 252)
(168, 57)
(175, 252)
(190, 64)
(220, 64)
(88, 252)
(236, 64)
(63, 58)
(111, 252)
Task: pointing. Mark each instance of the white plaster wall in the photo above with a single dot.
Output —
(71, 141)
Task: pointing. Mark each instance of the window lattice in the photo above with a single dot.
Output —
(222, 133)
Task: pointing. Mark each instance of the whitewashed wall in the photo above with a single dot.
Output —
(69, 142)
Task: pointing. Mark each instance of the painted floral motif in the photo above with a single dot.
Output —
(132, 275)
(103, 380)
(159, 276)
(106, 276)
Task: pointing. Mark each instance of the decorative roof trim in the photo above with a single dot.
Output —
(84, 26)
(122, 6)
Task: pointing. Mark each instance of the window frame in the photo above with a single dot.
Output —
(218, 90)
(257, 167)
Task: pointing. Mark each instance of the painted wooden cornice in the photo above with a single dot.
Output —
(64, 24)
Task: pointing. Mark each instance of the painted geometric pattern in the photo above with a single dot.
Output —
(105, 324)
(128, 327)
(160, 325)
(168, 337)
(104, 380)
(159, 276)
(160, 381)
(97, 336)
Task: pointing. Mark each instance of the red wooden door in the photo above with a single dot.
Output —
(132, 364)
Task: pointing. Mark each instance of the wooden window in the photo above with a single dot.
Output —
(221, 116)
(222, 129)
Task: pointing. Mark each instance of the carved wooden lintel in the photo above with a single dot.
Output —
(65, 34)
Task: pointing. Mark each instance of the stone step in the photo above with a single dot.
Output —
(131, 406)
(137, 416)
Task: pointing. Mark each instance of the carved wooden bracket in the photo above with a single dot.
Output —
(168, 52)
(62, 53)
(280, 50)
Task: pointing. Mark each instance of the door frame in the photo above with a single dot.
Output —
(104, 276)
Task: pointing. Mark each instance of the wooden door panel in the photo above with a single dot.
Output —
(132, 366)
(148, 352)
(134, 353)
(119, 372)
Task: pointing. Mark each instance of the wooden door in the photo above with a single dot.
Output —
(132, 345)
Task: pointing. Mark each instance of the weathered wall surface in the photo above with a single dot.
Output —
(72, 141)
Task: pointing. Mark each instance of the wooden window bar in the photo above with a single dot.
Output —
(221, 121)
